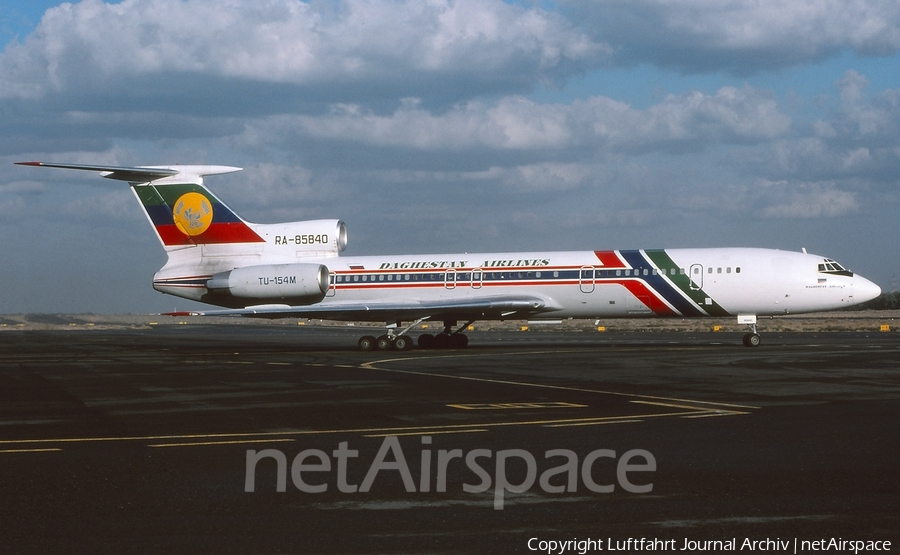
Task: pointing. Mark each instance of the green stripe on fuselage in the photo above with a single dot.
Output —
(683, 282)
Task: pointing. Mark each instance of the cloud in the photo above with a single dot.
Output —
(372, 48)
(807, 200)
(858, 143)
(740, 37)
(516, 124)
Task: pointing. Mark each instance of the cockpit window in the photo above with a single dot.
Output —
(829, 266)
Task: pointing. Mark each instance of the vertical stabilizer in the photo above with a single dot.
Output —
(182, 211)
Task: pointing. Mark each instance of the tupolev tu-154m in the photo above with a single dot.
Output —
(295, 270)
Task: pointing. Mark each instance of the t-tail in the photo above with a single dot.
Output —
(210, 247)
(181, 210)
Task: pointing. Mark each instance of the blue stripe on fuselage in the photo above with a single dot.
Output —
(662, 287)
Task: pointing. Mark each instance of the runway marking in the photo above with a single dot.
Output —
(670, 405)
(401, 430)
(235, 442)
(593, 423)
(688, 408)
(53, 450)
(370, 366)
(526, 405)
(712, 415)
(429, 433)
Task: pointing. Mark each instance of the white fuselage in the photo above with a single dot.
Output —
(575, 284)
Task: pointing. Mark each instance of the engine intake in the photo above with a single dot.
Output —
(295, 284)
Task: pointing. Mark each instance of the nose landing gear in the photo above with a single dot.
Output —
(752, 338)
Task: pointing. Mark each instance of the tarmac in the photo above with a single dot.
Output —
(155, 437)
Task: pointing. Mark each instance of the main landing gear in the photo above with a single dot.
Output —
(385, 342)
(447, 339)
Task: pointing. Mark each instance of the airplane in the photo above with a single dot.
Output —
(294, 270)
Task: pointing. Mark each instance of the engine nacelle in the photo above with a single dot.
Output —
(309, 238)
(295, 284)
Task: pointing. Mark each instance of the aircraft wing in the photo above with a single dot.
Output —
(520, 306)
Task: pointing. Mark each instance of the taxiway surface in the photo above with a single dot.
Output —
(137, 440)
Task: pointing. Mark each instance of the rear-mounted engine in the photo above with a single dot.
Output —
(294, 284)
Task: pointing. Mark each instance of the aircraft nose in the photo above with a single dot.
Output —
(864, 290)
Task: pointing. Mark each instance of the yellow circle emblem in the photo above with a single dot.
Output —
(192, 213)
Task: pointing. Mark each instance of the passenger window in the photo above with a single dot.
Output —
(728, 270)
(710, 270)
(737, 270)
(719, 270)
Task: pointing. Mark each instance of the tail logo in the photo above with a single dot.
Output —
(192, 214)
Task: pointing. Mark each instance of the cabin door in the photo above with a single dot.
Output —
(696, 277)
(586, 279)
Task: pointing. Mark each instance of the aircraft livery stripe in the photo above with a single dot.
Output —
(223, 227)
(683, 282)
(609, 259)
(659, 284)
(645, 294)
(216, 234)
(161, 214)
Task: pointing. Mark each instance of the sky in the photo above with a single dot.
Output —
(434, 126)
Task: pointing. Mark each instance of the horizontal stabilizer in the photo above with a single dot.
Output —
(140, 174)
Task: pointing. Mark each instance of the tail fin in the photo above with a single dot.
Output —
(182, 211)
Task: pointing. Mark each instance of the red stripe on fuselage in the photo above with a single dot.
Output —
(647, 296)
(610, 259)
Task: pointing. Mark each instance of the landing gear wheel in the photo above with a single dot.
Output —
(426, 341)
(458, 341)
(442, 341)
(752, 340)
(403, 343)
(366, 343)
(383, 343)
